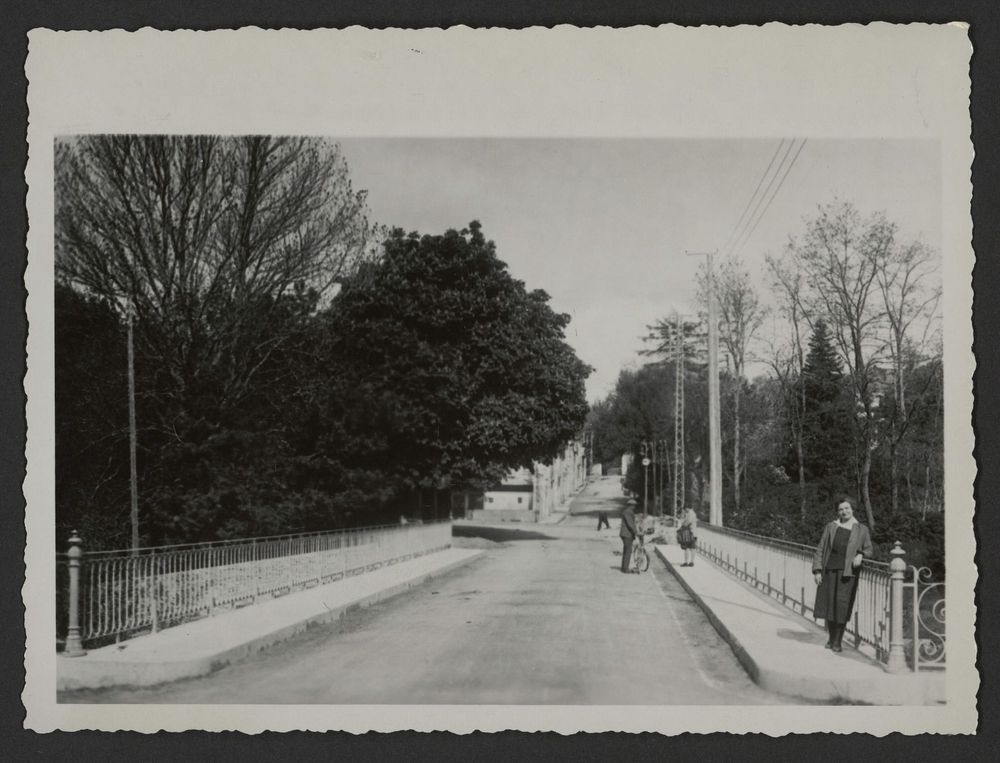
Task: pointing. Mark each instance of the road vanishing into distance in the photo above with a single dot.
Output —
(543, 617)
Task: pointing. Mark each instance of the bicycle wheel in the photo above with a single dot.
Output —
(641, 560)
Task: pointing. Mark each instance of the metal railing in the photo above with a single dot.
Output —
(926, 605)
(121, 593)
(783, 570)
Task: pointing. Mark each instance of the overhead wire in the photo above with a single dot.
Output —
(777, 189)
(760, 182)
(760, 199)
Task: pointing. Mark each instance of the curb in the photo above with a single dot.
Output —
(748, 662)
(77, 673)
(883, 689)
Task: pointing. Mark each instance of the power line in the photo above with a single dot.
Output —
(776, 190)
(753, 195)
(742, 228)
(760, 199)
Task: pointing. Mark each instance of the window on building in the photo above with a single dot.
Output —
(520, 500)
(489, 499)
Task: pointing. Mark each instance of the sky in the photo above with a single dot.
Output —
(603, 225)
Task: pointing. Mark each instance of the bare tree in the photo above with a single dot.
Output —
(207, 239)
(907, 280)
(787, 359)
(740, 315)
(838, 256)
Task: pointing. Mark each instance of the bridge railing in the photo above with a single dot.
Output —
(783, 570)
(118, 594)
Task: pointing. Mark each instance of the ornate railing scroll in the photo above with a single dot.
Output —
(927, 623)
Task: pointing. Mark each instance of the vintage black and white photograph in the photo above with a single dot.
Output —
(540, 421)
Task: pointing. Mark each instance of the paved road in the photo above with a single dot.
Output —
(544, 617)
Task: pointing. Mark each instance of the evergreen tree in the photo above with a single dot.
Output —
(827, 424)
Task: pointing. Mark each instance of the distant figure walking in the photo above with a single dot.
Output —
(686, 536)
(602, 520)
(628, 532)
(841, 550)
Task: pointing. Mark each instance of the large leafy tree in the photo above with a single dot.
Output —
(442, 369)
(222, 249)
(639, 409)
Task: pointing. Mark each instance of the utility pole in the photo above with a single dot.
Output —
(714, 431)
(679, 479)
(661, 446)
(645, 478)
(133, 471)
(656, 466)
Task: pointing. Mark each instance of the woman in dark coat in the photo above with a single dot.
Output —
(841, 550)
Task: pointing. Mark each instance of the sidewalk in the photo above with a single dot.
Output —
(201, 646)
(783, 652)
(556, 517)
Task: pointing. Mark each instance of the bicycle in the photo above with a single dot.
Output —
(640, 556)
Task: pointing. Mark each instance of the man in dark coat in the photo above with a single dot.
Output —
(628, 533)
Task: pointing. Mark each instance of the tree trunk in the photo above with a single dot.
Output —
(736, 447)
(800, 453)
(909, 481)
(866, 468)
(927, 489)
(894, 475)
(800, 434)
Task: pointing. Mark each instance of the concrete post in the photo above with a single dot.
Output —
(74, 646)
(154, 564)
(897, 567)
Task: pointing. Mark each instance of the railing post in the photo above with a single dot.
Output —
(256, 571)
(154, 563)
(897, 656)
(343, 556)
(74, 646)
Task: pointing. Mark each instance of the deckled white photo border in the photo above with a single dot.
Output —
(877, 80)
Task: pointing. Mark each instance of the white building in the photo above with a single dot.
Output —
(513, 494)
(531, 496)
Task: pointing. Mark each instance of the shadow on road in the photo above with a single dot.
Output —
(807, 638)
(497, 534)
(614, 513)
